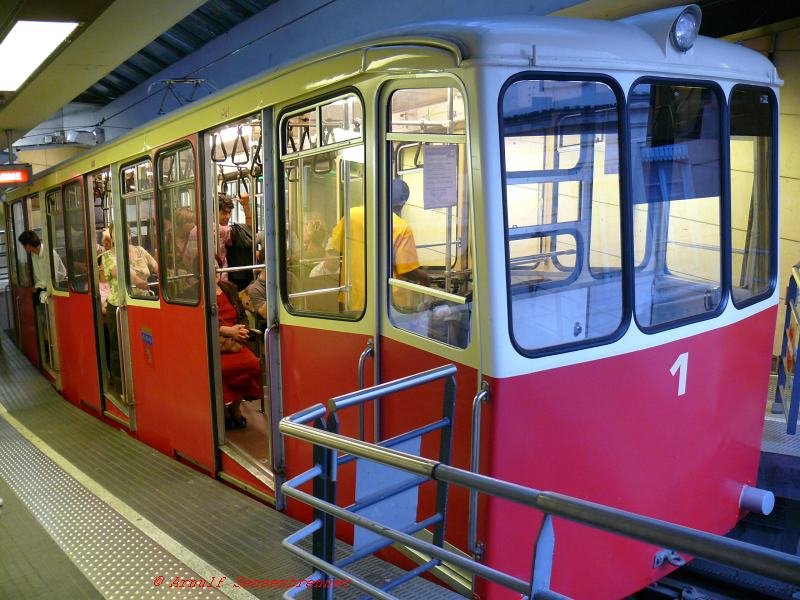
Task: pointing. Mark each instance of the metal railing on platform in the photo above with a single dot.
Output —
(324, 436)
(787, 395)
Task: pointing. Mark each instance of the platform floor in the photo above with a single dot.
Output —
(90, 512)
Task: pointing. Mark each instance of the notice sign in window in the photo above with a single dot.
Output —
(11, 175)
(440, 176)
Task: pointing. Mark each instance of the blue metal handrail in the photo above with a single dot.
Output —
(323, 474)
(787, 402)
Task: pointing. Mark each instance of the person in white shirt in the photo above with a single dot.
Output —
(33, 245)
(41, 269)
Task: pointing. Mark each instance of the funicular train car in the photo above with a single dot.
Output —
(580, 215)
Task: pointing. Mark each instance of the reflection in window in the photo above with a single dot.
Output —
(141, 254)
(178, 227)
(675, 145)
(562, 202)
(55, 228)
(300, 132)
(323, 212)
(431, 274)
(752, 201)
(77, 259)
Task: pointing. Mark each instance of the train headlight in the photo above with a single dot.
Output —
(685, 28)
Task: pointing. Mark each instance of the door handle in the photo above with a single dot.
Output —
(368, 352)
(478, 401)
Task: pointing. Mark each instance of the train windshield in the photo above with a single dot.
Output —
(562, 210)
(676, 173)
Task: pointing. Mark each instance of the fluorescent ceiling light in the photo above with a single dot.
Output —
(26, 47)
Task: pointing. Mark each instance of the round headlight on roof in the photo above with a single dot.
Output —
(685, 28)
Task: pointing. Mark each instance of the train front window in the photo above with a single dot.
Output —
(141, 252)
(177, 232)
(676, 195)
(752, 194)
(562, 212)
(428, 202)
(55, 229)
(323, 209)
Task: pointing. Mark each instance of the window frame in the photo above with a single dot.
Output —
(59, 205)
(315, 104)
(137, 195)
(773, 199)
(69, 263)
(625, 222)
(404, 139)
(724, 201)
(157, 191)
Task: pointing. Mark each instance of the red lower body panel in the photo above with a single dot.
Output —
(618, 431)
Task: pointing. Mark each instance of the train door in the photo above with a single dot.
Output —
(45, 316)
(114, 389)
(326, 265)
(22, 285)
(72, 297)
(236, 206)
(428, 313)
(163, 313)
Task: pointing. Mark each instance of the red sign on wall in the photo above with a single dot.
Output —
(13, 175)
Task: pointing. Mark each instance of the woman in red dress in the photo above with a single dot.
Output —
(241, 369)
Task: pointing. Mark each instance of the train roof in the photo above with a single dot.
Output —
(639, 43)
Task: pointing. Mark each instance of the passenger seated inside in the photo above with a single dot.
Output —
(405, 262)
(241, 370)
(257, 290)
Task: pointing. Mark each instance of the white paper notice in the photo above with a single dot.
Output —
(440, 176)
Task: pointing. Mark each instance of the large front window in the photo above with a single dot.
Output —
(676, 195)
(562, 211)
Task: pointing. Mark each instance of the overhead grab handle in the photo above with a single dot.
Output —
(240, 141)
(215, 154)
(256, 167)
(242, 177)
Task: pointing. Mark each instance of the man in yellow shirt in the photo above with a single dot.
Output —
(405, 263)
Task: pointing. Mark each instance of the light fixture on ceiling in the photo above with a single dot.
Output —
(26, 47)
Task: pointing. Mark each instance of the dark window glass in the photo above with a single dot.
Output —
(752, 191)
(178, 229)
(55, 228)
(141, 253)
(75, 229)
(24, 274)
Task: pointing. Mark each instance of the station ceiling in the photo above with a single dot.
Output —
(121, 43)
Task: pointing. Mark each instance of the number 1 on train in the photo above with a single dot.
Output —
(682, 365)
